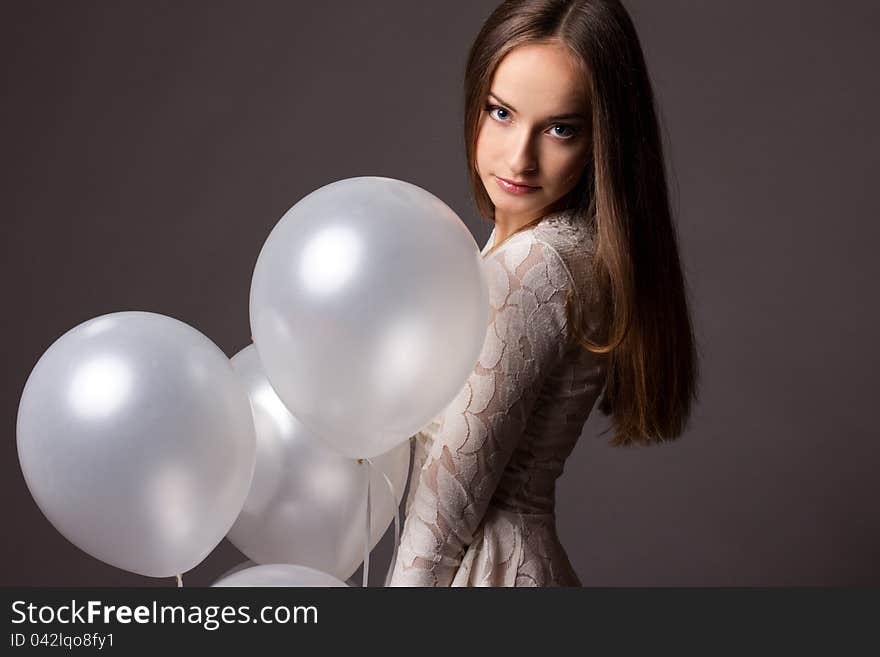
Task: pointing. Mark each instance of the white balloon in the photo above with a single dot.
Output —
(291, 575)
(307, 502)
(369, 307)
(136, 440)
(247, 563)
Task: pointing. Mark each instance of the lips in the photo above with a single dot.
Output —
(514, 188)
(516, 183)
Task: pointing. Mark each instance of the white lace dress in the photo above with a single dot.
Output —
(480, 511)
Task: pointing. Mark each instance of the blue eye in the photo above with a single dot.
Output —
(572, 131)
(492, 108)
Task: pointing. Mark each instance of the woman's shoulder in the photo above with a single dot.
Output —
(573, 239)
(555, 256)
(542, 256)
(565, 242)
(568, 233)
(564, 232)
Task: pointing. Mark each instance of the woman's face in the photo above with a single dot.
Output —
(535, 130)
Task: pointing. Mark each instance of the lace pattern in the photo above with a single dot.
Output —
(460, 530)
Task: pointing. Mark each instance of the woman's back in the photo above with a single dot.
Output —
(481, 506)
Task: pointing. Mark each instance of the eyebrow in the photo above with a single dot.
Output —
(556, 117)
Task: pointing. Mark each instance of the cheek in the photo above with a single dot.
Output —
(571, 168)
(482, 146)
(488, 144)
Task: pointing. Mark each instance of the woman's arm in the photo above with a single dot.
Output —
(421, 444)
(526, 337)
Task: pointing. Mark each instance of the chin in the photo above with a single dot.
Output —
(517, 204)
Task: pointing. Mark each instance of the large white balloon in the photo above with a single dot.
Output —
(291, 575)
(247, 563)
(136, 439)
(369, 308)
(307, 502)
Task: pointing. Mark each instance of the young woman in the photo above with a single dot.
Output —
(586, 290)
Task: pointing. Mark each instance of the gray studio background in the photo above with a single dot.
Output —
(148, 148)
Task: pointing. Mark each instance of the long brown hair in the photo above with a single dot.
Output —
(648, 334)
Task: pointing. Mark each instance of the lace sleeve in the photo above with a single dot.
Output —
(480, 429)
(420, 445)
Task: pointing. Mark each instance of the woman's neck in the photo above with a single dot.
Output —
(505, 227)
(501, 236)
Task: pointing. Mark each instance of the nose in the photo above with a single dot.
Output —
(523, 158)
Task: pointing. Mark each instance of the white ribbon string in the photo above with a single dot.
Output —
(179, 581)
(396, 530)
(396, 500)
(367, 530)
